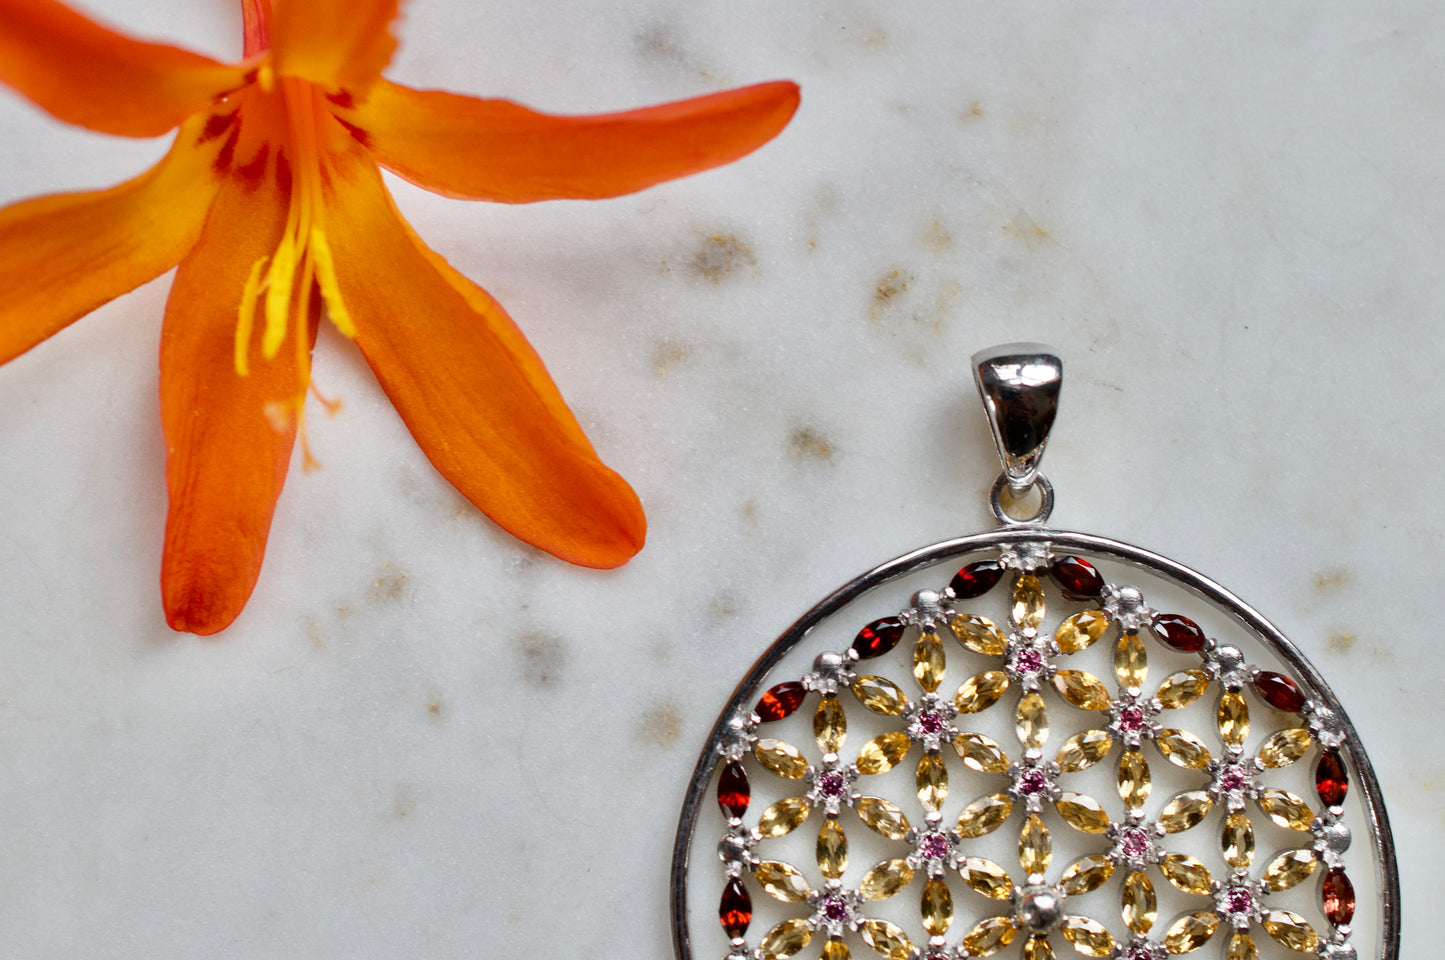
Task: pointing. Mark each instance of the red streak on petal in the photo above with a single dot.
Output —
(342, 98)
(217, 124)
(358, 134)
(283, 172)
(227, 153)
(253, 171)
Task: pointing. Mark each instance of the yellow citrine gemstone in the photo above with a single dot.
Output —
(879, 695)
(937, 907)
(1237, 840)
(980, 753)
(886, 880)
(1131, 663)
(986, 877)
(1241, 947)
(932, 781)
(830, 725)
(882, 817)
(1183, 749)
(984, 815)
(928, 661)
(836, 950)
(1285, 747)
(1036, 847)
(1292, 930)
(784, 759)
(1182, 688)
(1289, 869)
(786, 939)
(1190, 932)
(1139, 904)
(1031, 721)
(981, 691)
(1286, 809)
(1038, 948)
(1082, 813)
(883, 752)
(990, 936)
(832, 849)
(1088, 936)
(1233, 718)
(1083, 750)
(1086, 874)
(1082, 689)
(1081, 631)
(886, 939)
(1185, 810)
(1134, 780)
(782, 881)
(1186, 873)
(1028, 606)
(979, 635)
(783, 817)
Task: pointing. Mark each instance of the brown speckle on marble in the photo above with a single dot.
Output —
(718, 255)
(437, 709)
(658, 44)
(667, 354)
(1340, 643)
(973, 111)
(808, 444)
(1025, 228)
(661, 725)
(543, 659)
(390, 585)
(403, 804)
(890, 287)
(1331, 580)
(936, 236)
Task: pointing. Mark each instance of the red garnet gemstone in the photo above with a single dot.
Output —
(1279, 692)
(1338, 898)
(1179, 632)
(736, 910)
(1331, 781)
(1077, 578)
(976, 579)
(780, 701)
(878, 637)
(733, 792)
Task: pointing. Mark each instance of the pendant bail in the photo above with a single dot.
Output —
(1019, 383)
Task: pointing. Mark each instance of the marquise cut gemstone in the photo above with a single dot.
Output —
(1179, 632)
(735, 911)
(733, 791)
(878, 637)
(1077, 578)
(1279, 691)
(1338, 898)
(976, 579)
(780, 701)
(1331, 781)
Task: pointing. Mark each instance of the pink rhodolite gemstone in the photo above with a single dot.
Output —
(1034, 781)
(1131, 719)
(930, 722)
(1135, 843)
(835, 909)
(934, 846)
(1239, 901)
(832, 785)
(1030, 661)
(1233, 780)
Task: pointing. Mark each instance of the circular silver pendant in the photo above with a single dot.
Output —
(1033, 742)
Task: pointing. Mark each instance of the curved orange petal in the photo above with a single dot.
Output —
(225, 460)
(497, 150)
(469, 387)
(62, 256)
(335, 43)
(85, 74)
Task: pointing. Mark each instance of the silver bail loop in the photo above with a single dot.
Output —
(1019, 383)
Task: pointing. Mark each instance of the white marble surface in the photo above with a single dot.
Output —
(425, 740)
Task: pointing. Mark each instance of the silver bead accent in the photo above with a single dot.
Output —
(1039, 908)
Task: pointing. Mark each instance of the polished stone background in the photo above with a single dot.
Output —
(424, 739)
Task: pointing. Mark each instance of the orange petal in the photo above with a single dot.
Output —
(85, 74)
(225, 460)
(469, 387)
(335, 43)
(497, 150)
(62, 256)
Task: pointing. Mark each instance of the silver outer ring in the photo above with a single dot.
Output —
(1386, 870)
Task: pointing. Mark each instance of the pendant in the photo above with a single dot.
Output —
(1030, 743)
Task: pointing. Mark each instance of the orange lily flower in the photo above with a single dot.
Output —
(272, 204)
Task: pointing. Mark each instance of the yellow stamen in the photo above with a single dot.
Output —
(280, 283)
(246, 321)
(330, 289)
